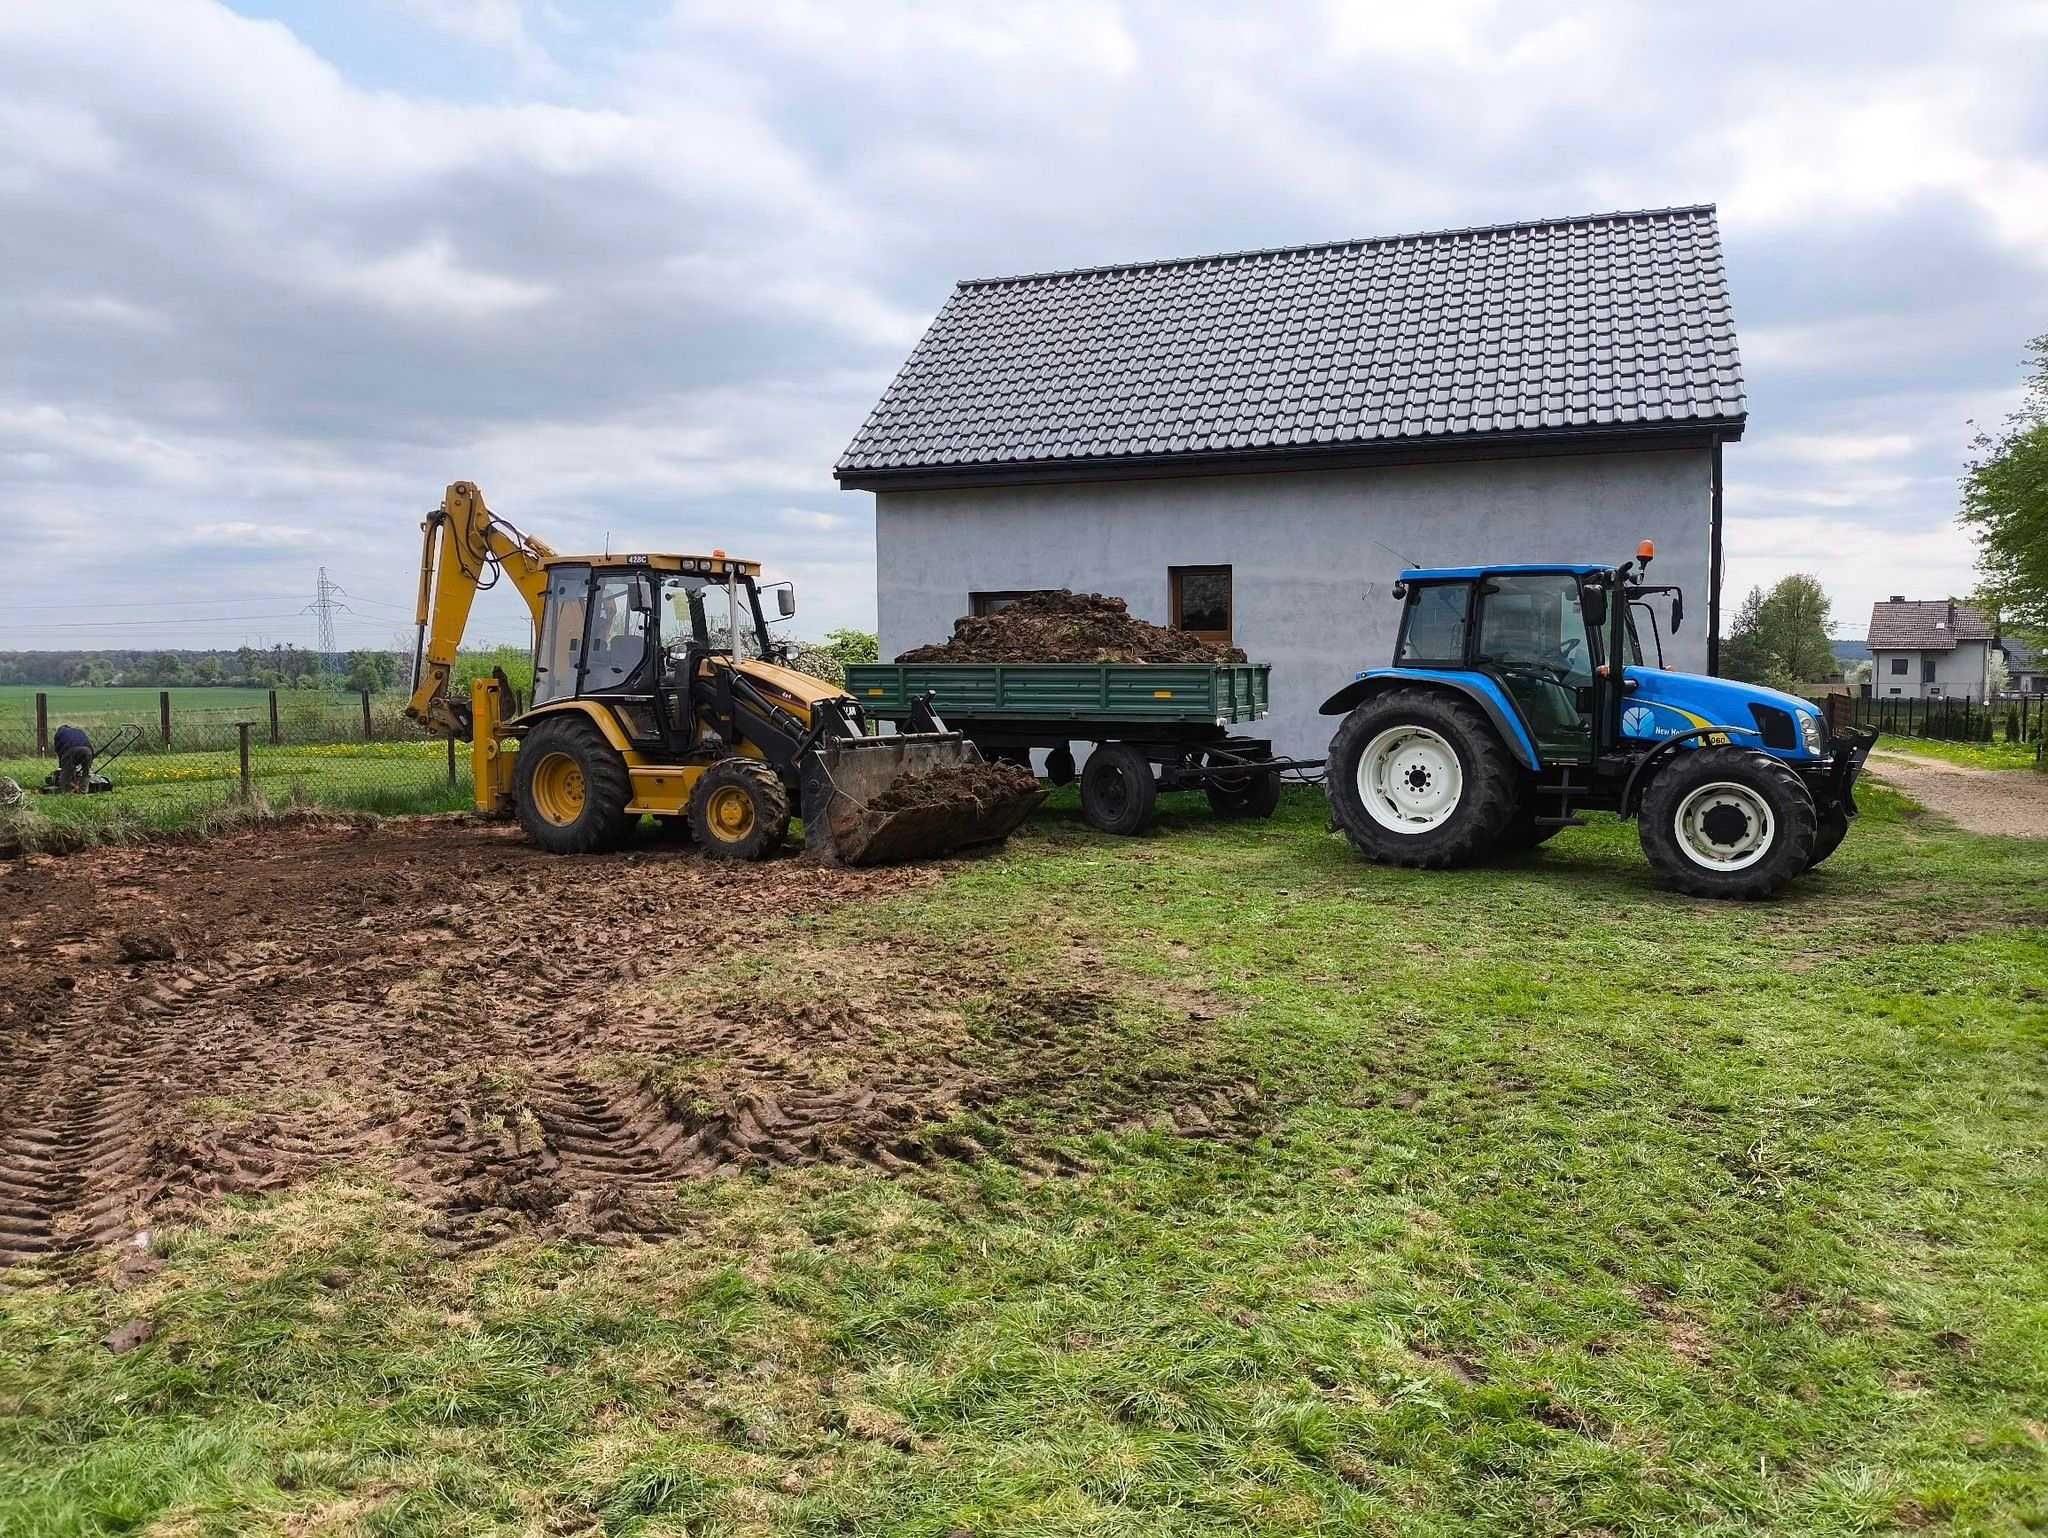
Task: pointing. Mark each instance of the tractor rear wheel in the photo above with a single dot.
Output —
(739, 810)
(1417, 777)
(571, 788)
(1727, 822)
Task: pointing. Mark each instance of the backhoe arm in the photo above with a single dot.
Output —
(466, 547)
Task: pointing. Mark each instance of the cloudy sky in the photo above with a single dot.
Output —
(271, 275)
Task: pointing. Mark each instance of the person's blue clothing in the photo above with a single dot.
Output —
(69, 738)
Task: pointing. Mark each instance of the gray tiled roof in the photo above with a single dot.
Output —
(1935, 624)
(1611, 322)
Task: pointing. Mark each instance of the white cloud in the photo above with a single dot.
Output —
(428, 278)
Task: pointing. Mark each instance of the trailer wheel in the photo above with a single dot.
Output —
(739, 810)
(1242, 792)
(1727, 822)
(1118, 789)
(571, 788)
(1418, 778)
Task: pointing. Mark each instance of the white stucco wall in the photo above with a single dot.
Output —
(1312, 553)
(1957, 672)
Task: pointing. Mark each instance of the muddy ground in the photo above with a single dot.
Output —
(525, 1043)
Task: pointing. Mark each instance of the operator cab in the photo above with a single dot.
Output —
(636, 630)
(1539, 632)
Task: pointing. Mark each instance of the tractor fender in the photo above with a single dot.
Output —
(605, 721)
(1476, 687)
(1639, 777)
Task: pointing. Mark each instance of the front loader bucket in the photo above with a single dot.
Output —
(880, 800)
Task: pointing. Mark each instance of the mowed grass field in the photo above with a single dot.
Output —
(89, 707)
(1569, 1206)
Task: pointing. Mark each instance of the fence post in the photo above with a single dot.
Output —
(451, 763)
(276, 736)
(163, 715)
(366, 715)
(242, 731)
(42, 725)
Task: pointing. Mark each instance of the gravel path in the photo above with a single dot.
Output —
(2010, 802)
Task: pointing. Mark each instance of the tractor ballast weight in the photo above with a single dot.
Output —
(1522, 696)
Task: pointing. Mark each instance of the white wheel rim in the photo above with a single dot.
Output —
(1724, 826)
(1409, 779)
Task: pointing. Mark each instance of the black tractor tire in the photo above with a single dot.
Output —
(1828, 833)
(1783, 843)
(1490, 790)
(1524, 832)
(1059, 765)
(571, 788)
(739, 810)
(1246, 793)
(1118, 789)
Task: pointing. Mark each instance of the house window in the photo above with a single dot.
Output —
(1896, 691)
(1934, 691)
(1201, 601)
(1898, 669)
(1927, 670)
(2038, 684)
(996, 602)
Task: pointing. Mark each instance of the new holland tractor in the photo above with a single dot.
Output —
(1522, 696)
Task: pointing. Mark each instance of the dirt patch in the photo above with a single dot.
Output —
(1067, 627)
(2007, 803)
(500, 1030)
(976, 783)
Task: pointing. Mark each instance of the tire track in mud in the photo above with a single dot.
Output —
(445, 1001)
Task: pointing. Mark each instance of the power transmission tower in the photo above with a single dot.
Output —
(327, 596)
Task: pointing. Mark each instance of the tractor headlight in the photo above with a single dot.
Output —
(1812, 733)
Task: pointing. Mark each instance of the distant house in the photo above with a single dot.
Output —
(1931, 648)
(2028, 668)
(1251, 446)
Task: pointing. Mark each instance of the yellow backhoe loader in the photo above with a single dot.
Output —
(657, 690)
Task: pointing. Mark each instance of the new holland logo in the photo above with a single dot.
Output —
(1639, 721)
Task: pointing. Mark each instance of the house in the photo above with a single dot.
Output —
(2026, 668)
(1930, 648)
(1253, 445)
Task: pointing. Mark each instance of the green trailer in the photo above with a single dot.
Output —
(1148, 726)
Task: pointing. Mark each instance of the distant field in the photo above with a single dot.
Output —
(19, 700)
(200, 717)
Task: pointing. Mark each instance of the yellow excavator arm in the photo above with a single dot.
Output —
(466, 547)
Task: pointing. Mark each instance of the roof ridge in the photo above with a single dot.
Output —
(1161, 263)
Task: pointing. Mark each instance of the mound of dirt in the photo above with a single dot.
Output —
(1068, 627)
(981, 783)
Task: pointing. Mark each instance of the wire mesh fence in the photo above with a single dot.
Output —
(347, 750)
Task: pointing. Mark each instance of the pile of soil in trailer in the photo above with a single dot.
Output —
(507, 1034)
(1068, 627)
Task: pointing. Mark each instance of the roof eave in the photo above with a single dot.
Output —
(1622, 437)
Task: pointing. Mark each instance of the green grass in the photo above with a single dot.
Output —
(1571, 1207)
(172, 792)
(1977, 755)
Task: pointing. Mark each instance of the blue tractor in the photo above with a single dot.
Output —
(1504, 717)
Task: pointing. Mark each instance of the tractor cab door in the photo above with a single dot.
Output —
(1532, 638)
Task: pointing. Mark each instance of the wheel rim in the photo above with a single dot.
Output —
(1112, 791)
(1724, 826)
(558, 790)
(1409, 780)
(730, 813)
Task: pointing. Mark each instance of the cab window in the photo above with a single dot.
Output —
(723, 629)
(558, 655)
(1433, 625)
(617, 654)
(1532, 637)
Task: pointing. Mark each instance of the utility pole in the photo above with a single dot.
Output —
(327, 596)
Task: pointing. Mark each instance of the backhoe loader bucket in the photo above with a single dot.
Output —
(880, 800)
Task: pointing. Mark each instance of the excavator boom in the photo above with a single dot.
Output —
(464, 548)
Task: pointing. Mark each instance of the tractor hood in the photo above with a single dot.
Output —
(1664, 704)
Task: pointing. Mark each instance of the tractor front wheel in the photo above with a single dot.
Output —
(739, 810)
(571, 788)
(1417, 777)
(1727, 822)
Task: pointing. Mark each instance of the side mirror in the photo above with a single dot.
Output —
(1677, 609)
(1593, 604)
(785, 599)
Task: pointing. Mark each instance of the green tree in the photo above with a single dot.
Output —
(2005, 504)
(851, 646)
(1780, 636)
